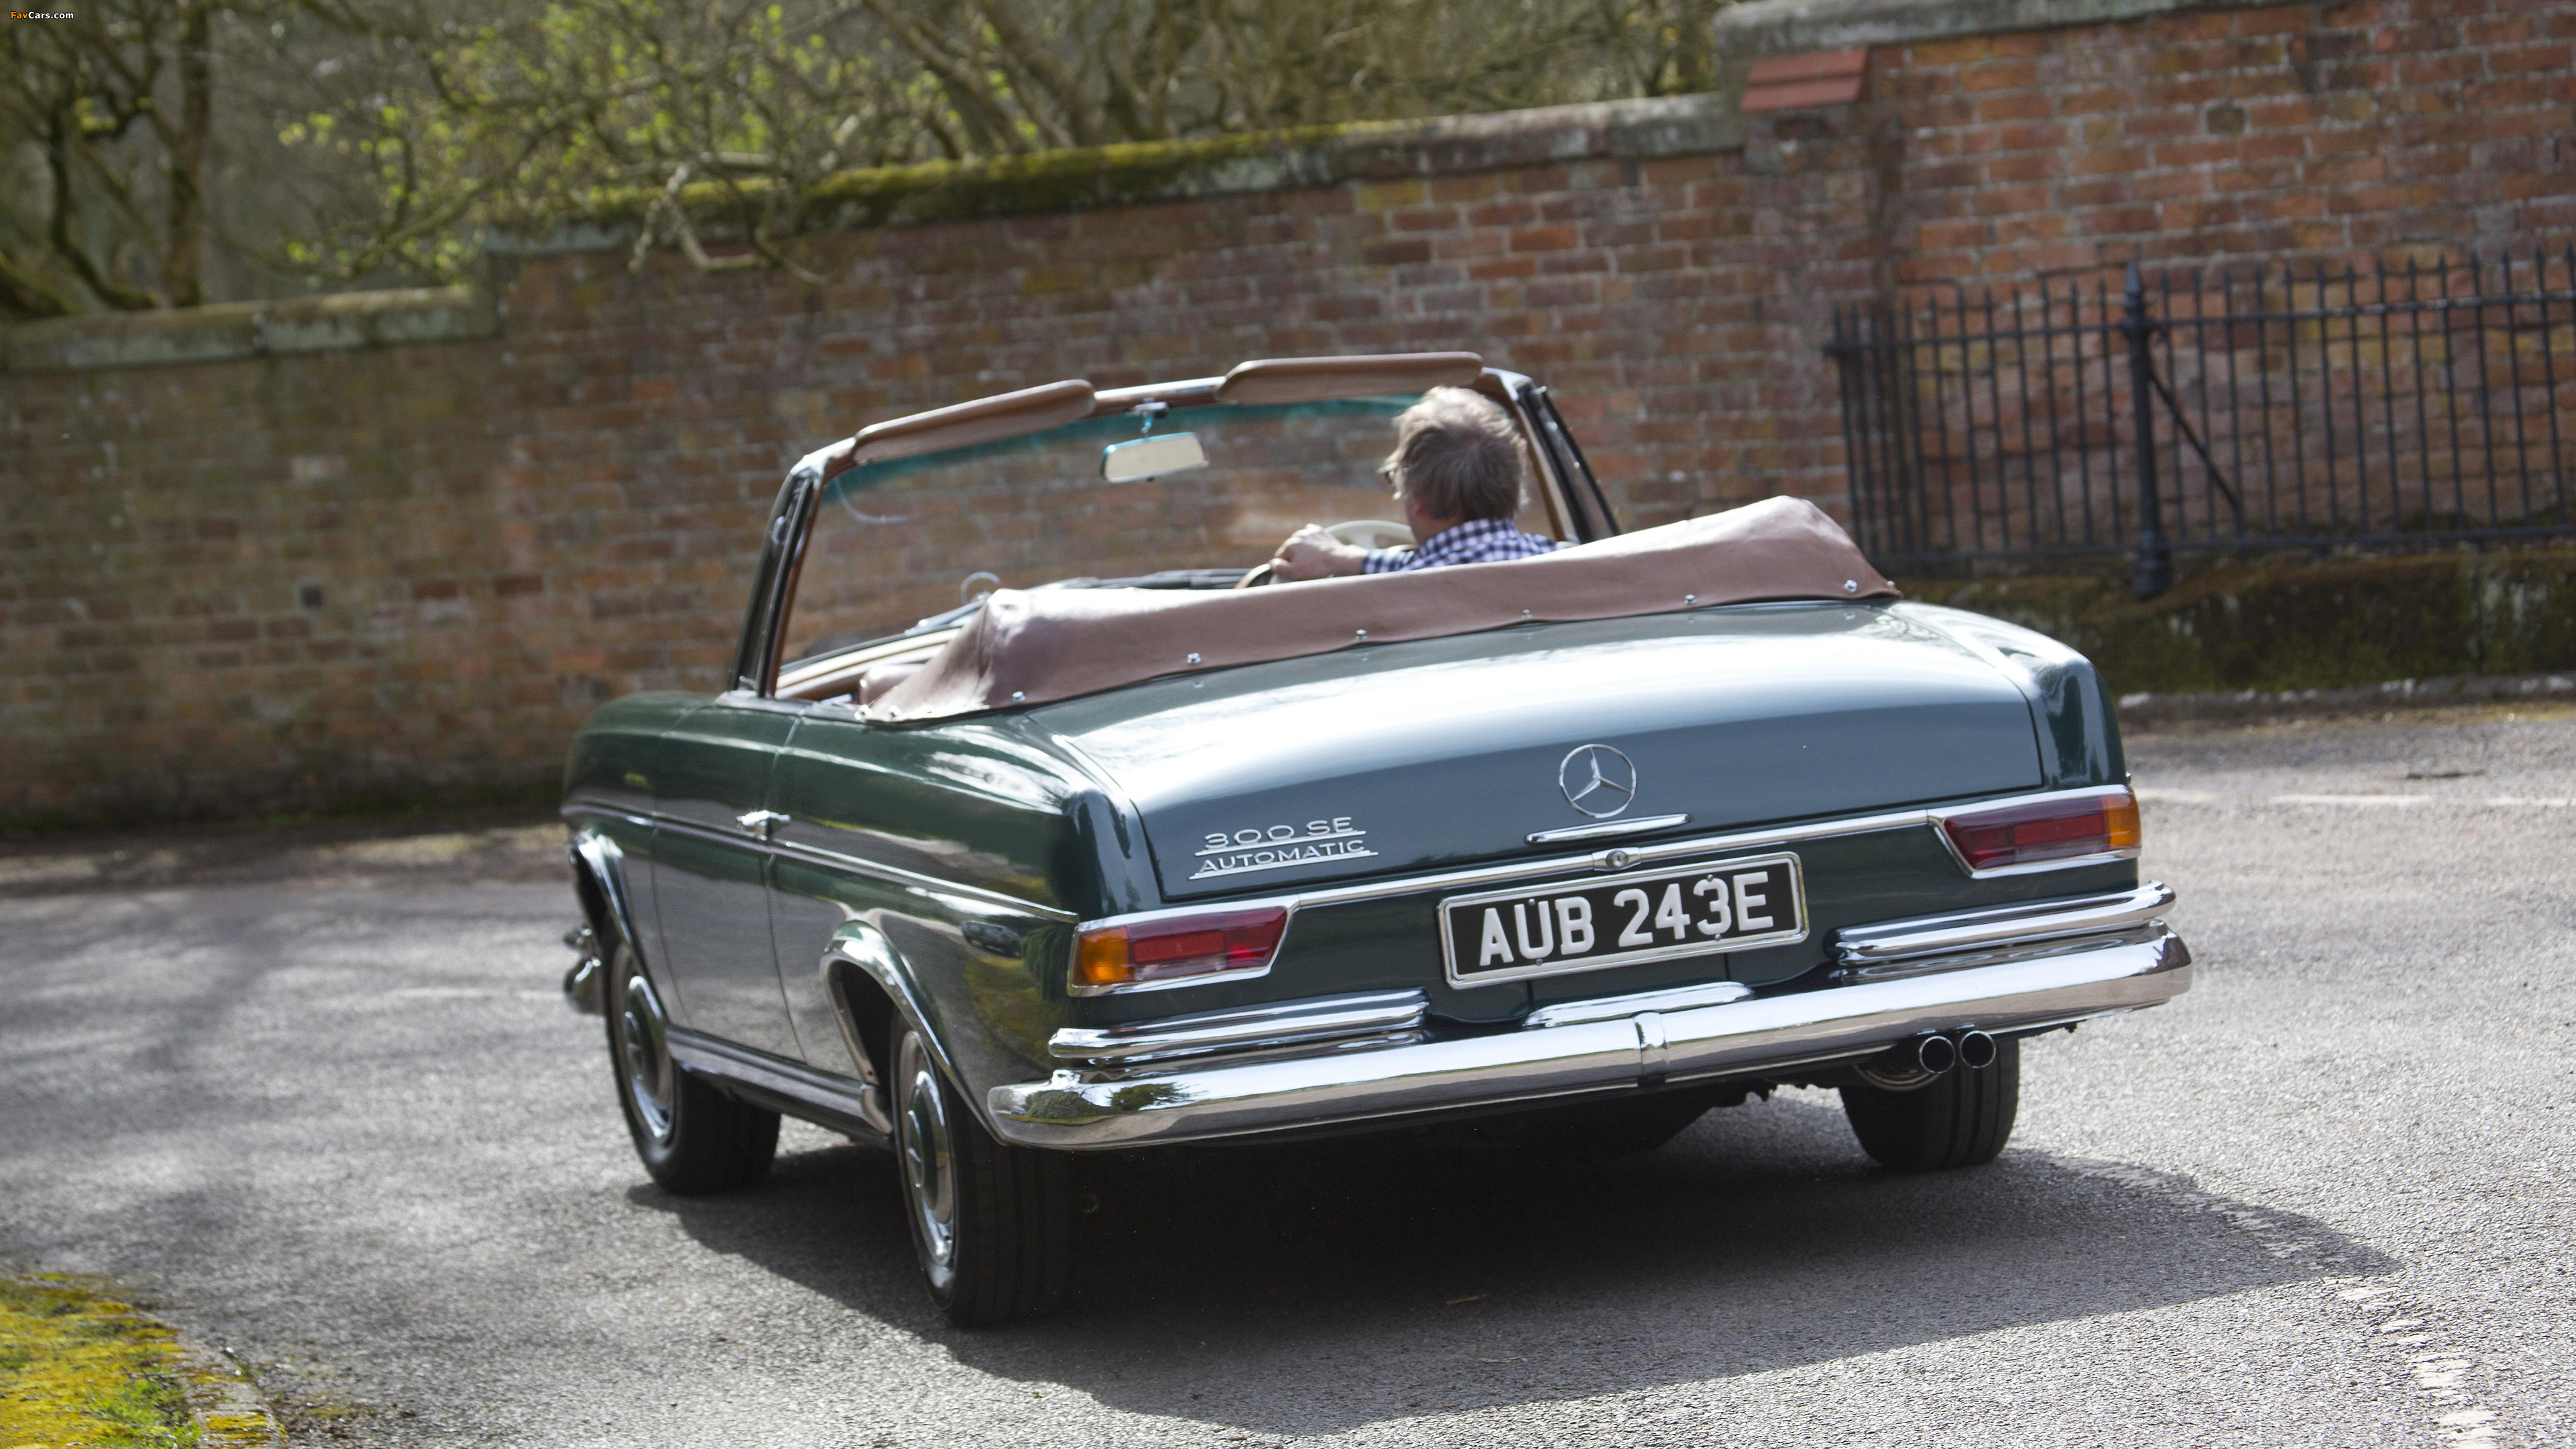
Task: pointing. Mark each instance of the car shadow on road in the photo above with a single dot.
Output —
(1312, 1288)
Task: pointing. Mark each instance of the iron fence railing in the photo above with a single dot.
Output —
(2289, 407)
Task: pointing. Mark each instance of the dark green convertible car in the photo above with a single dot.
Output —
(1039, 821)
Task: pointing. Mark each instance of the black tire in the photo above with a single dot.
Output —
(692, 1138)
(992, 1223)
(1959, 1119)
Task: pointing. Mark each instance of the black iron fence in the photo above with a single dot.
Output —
(2282, 408)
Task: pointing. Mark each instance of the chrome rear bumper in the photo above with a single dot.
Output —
(2006, 991)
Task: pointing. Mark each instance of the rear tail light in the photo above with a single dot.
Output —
(2046, 830)
(1108, 957)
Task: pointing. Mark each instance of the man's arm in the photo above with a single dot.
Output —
(1311, 553)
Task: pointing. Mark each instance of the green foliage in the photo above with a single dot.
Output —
(669, 112)
(159, 152)
(104, 118)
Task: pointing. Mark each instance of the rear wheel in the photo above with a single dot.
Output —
(691, 1137)
(1958, 1119)
(992, 1224)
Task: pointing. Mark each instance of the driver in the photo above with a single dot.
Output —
(1458, 470)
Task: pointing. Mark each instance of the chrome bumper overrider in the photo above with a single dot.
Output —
(2067, 981)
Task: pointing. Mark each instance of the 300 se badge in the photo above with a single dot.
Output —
(1272, 847)
(1732, 905)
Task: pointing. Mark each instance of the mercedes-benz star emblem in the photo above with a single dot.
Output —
(1597, 780)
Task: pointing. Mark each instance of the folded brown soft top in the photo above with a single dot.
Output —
(1034, 646)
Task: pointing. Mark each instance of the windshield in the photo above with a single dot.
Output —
(913, 540)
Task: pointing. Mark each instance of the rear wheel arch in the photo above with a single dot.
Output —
(875, 997)
(868, 1019)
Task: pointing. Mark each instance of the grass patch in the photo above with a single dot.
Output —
(78, 1368)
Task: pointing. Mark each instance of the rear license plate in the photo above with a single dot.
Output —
(1727, 905)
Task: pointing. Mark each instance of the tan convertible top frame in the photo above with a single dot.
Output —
(1575, 505)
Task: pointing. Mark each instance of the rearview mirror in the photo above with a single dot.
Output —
(1138, 459)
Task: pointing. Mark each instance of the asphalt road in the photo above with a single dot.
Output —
(318, 1101)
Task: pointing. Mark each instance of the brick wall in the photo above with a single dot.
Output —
(2228, 135)
(408, 572)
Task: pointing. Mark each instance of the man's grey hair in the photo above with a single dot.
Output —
(1457, 455)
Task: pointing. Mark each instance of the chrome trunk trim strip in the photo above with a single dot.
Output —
(1639, 826)
(2001, 926)
(1989, 955)
(1743, 1038)
(1605, 1008)
(1316, 1019)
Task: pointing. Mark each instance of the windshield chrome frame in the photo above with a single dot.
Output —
(791, 520)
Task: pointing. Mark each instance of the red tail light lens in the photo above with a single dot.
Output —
(1113, 956)
(2047, 830)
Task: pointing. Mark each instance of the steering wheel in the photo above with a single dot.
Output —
(1359, 532)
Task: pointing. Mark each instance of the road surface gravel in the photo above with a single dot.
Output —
(316, 1098)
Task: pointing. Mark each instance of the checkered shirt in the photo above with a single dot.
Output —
(1478, 540)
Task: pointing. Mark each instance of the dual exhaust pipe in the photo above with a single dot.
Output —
(1933, 1055)
(1915, 1063)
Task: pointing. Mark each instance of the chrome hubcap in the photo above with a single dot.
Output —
(644, 1054)
(929, 1169)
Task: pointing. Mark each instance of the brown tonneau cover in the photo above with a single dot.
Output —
(1034, 646)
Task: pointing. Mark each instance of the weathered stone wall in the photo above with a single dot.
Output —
(313, 571)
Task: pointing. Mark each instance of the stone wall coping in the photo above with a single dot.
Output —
(1067, 180)
(1794, 27)
(227, 331)
(1084, 178)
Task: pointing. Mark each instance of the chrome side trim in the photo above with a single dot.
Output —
(1316, 1019)
(812, 855)
(844, 1099)
(1671, 998)
(1638, 826)
(1995, 925)
(897, 875)
(1742, 1038)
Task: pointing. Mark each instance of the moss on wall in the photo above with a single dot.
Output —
(2302, 624)
(1072, 180)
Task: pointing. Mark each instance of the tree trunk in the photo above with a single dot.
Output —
(25, 294)
(183, 250)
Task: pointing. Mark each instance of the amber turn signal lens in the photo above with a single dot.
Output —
(1178, 946)
(2048, 830)
(1100, 958)
(2121, 814)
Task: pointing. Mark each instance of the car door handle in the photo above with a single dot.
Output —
(763, 823)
